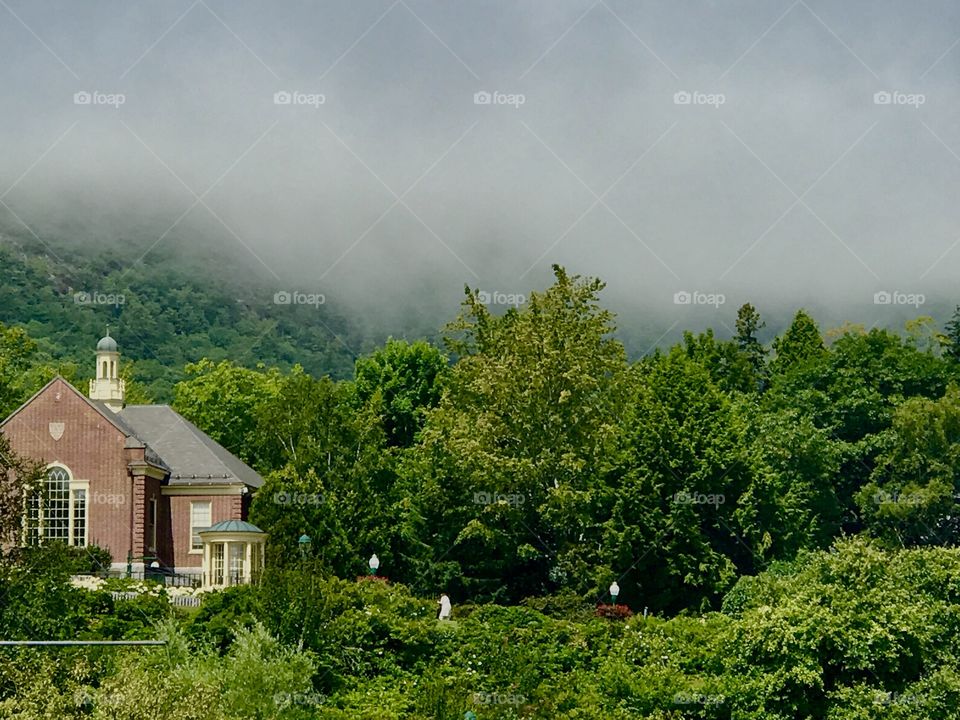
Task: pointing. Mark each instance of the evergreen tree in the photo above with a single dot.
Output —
(953, 337)
(748, 324)
(800, 343)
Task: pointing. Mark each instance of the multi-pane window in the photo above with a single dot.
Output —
(34, 513)
(217, 563)
(200, 519)
(152, 523)
(56, 515)
(58, 512)
(256, 561)
(79, 517)
(237, 552)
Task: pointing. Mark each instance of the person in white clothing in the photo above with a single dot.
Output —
(444, 607)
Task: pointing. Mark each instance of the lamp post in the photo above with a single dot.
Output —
(304, 543)
(374, 564)
(614, 591)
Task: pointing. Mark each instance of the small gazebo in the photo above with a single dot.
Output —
(232, 554)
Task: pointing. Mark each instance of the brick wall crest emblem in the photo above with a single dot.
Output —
(56, 430)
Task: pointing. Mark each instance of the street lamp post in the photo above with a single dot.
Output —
(304, 543)
(374, 564)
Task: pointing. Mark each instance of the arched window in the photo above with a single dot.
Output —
(58, 511)
(104, 373)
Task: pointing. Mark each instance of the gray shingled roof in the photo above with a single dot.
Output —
(232, 526)
(192, 456)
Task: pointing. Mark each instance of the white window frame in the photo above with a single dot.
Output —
(72, 486)
(195, 529)
(153, 508)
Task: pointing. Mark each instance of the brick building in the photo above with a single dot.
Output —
(138, 480)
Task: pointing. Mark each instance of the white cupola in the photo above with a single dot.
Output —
(107, 386)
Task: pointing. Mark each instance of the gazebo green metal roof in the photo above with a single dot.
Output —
(233, 526)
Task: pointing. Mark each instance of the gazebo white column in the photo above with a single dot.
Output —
(231, 534)
(207, 565)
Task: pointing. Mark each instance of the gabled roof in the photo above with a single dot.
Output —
(193, 456)
(108, 415)
(132, 441)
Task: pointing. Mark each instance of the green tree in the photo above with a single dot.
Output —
(402, 380)
(22, 371)
(730, 368)
(504, 476)
(791, 503)
(799, 344)
(672, 487)
(911, 498)
(952, 339)
(18, 476)
(223, 400)
(334, 478)
(748, 325)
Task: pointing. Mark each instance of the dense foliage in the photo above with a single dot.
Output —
(856, 632)
(791, 507)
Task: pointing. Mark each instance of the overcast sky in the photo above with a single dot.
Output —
(731, 148)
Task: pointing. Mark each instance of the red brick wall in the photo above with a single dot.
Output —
(223, 507)
(91, 448)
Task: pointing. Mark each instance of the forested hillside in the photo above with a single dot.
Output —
(164, 313)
